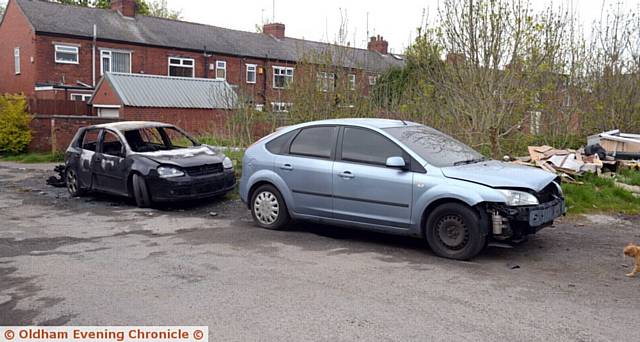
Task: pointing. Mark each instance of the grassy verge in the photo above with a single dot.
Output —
(630, 177)
(31, 158)
(599, 195)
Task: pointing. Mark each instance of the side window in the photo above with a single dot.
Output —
(314, 142)
(278, 145)
(365, 146)
(90, 140)
(112, 145)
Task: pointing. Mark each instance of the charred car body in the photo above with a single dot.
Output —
(396, 177)
(149, 161)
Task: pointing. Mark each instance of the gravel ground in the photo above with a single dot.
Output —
(99, 260)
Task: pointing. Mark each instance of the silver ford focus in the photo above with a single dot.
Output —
(396, 177)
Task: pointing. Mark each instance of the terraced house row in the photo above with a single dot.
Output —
(54, 51)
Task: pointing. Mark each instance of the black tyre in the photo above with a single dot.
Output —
(268, 208)
(73, 184)
(453, 231)
(141, 192)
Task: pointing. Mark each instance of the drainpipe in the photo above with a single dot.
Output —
(93, 56)
(206, 63)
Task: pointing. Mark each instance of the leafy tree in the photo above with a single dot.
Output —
(2, 7)
(160, 9)
(15, 134)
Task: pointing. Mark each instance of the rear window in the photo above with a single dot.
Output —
(279, 144)
(314, 142)
(90, 140)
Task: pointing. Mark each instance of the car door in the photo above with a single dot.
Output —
(110, 167)
(89, 146)
(364, 188)
(306, 168)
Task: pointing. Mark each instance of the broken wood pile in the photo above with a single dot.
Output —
(565, 163)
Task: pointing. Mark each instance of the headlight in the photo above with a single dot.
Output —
(169, 172)
(519, 198)
(559, 187)
(227, 163)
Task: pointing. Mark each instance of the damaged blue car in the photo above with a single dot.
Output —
(396, 177)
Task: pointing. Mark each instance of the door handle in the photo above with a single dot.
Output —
(287, 167)
(346, 174)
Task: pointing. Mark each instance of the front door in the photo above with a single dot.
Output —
(110, 164)
(364, 189)
(306, 169)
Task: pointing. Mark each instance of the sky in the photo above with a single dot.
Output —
(396, 20)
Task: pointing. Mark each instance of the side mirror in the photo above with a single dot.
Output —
(396, 162)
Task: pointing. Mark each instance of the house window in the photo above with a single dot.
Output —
(182, 67)
(108, 112)
(280, 107)
(66, 54)
(221, 70)
(326, 81)
(352, 81)
(80, 97)
(373, 80)
(115, 61)
(282, 77)
(251, 73)
(16, 60)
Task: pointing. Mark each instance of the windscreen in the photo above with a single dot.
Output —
(437, 148)
(151, 139)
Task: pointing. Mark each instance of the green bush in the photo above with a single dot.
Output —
(15, 134)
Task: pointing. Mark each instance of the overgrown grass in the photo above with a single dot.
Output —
(630, 177)
(599, 195)
(32, 158)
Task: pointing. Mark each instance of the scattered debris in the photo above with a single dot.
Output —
(60, 181)
(621, 146)
(214, 214)
(514, 267)
(565, 163)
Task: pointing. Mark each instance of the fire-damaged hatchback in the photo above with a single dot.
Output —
(149, 161)
(397, 177)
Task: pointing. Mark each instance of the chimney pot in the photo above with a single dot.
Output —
(274, 29)
(125, 7)
(378, 44)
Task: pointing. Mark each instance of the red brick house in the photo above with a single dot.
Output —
(54, 51)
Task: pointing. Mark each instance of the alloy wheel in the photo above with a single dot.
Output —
(72, 182)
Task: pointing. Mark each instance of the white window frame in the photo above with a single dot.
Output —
(373, 79)
(281, 107)
(352, 82)
(221, 65)
(285, 74)
(326, 81)
(181, 65)
(254, 71)
(16, 60)
(83, 97)
(71, 49)
(109, 52)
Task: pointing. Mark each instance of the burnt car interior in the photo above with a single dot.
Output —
(157, 139)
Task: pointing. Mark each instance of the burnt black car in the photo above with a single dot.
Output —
(149, 161)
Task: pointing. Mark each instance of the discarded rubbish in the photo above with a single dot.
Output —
(59, 181)
(621, 146)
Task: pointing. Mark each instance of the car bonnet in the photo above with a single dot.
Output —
(498, 174)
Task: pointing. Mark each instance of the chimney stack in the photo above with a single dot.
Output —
(378, 44)
(125, 7)
(274, 29)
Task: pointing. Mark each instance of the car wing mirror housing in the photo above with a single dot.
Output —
(396, 162)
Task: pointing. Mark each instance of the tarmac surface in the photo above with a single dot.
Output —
(99, 260)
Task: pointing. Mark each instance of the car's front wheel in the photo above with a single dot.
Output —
(73, 184)
(141, 191)
(268, 208)
(453, 231)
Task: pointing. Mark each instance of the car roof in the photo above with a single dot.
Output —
(362, 122)
(130, 125)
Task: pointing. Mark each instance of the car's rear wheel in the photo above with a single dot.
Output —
(73, 184)
(140, 191)
(453, 231)
(268, 208)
